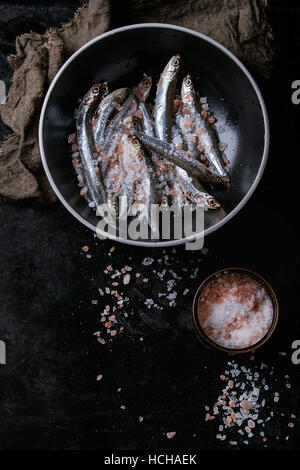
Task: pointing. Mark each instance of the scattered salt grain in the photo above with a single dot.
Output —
(147, 261)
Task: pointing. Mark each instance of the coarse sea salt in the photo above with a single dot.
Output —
(240, 411)
(235, 310)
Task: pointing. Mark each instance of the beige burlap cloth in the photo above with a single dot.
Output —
(240, 25)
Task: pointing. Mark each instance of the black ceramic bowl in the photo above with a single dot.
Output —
(121, 57)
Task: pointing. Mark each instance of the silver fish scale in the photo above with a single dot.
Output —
(200, 197)
(181, 159)
(148, 129)
(105, 110)
(206, 134)
(163, 109)
(86, 147)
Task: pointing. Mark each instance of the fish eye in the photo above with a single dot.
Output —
(146, 83)
(96, 89)
(175, 62)
(136, 143)
(188, 82)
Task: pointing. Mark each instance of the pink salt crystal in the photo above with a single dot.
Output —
(230, 383)
(170, 435)
(246, 405)
(222, 377)
(233, 443)
(247, 429)
(101, 340)
(113, 332)
(291, 425)
(99, 377)
(232, 403)
(123, 407)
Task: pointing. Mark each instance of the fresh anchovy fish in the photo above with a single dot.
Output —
(127, 169)
(161, 182)
(164, 103)
(141, 154)
(147, 193)
(113, 185)
(104, 111)
(199, 197)
(177, 195)
(189, 140)
(140, 93)
(86, 144)
(164, 99)
(181, 159)
(205, 133)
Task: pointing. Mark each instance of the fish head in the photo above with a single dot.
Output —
(187, 90)
(120, 94)
(136, 146)
(136, 123)
(143, 89)
(94, 93)
(206, 200)
(171, 69)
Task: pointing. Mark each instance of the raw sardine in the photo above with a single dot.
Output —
(140, 93)
(86, 144)
(198, 196)
(104, 111)
(159, 178)
(181, 159)
(206, 136)
(164, 99)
